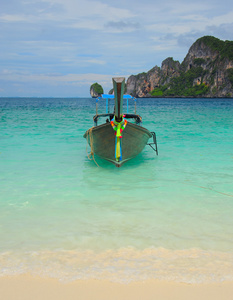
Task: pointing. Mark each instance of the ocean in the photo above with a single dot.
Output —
(168, 217)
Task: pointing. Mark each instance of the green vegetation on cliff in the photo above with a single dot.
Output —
(199, 61)
(224, 48)
(230, 75)
(97, 88)
(183, 85)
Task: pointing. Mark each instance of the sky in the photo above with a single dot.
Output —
(58, 48)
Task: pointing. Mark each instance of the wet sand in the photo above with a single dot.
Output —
(27, 287)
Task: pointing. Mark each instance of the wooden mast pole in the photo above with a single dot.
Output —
(119, 87)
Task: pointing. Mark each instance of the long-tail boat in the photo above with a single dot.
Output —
(118, 139)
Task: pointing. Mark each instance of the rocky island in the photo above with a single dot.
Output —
(96, 90)
(206, 71)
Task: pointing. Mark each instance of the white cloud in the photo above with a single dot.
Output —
(12, 18)
(165, 45)
(96, 61)
(188, 8)
(78, 79)
(92, 15)
(222, 19)
(78, 8)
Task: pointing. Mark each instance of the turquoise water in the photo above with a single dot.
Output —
(167, 216)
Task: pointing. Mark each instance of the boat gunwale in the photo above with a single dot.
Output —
(137, 127)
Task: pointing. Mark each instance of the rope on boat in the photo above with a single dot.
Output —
(91, 155)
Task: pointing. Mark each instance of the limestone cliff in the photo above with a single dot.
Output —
(96, 90)
(206, 71)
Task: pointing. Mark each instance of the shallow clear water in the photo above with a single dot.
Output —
(155, 217)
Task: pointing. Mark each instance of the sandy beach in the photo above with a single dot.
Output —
(27, 287)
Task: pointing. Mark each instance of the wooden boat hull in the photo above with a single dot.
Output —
(102, 141)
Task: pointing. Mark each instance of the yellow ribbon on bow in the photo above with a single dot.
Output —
(118, 127)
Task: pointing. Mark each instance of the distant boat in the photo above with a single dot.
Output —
(118, 140)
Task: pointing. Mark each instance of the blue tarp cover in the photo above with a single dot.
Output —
(107, 96)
